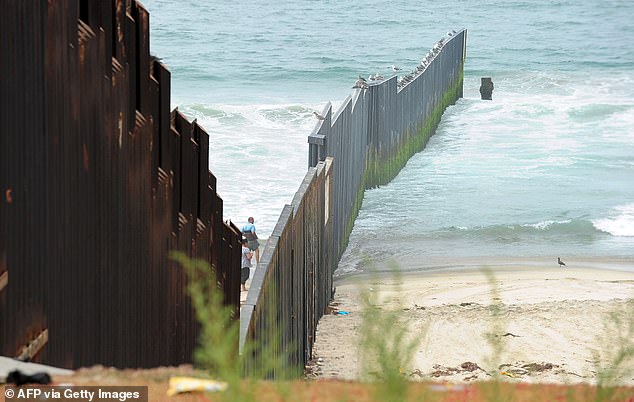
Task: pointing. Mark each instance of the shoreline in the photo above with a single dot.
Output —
(464, 264)
(557, 319)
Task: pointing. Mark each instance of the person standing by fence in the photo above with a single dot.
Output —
(248, 231)
(245, 272)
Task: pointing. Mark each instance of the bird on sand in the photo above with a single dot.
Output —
(318, 116)
(560, 262)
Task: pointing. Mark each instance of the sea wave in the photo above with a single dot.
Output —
(247, 142)
(544, 225)
(273, 116)
(518, 231)
(598, 112)
(621, 222)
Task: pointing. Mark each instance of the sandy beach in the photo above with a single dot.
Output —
(551, 324)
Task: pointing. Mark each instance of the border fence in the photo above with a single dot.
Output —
(363, 144)
(99, 181)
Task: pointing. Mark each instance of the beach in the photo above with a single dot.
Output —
(548, 324)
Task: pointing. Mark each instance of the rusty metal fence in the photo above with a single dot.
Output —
(363, 144)
(99, 181)
(292, 283)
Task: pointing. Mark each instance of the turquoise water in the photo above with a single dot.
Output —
(545, 169)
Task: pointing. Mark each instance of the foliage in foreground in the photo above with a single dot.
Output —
(387, 352)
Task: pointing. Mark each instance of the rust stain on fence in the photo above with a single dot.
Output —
(108, 182)
(4, 279)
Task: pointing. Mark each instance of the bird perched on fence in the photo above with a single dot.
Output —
(318, 116)
(360, 84)
(560, 262)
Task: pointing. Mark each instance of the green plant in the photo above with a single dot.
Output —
(493, 389)
(387, 350)
(219, 333)
(496, 308)
(219, 329)
(616, 360)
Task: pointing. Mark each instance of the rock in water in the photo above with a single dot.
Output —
(486, 88)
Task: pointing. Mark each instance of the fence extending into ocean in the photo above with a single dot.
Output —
(99, 183)
(363, 144)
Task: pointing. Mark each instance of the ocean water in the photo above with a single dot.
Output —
(545, 169)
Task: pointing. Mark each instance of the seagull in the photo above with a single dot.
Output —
(361, 78)
(560, 262)
(360, 84)
(449, 33)
(378, 77)
(318, 116)
(394, 68)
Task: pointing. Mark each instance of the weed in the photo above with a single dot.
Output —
(219, 330)
(387, 349)
(616, 360)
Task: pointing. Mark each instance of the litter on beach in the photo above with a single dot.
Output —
(189, 384)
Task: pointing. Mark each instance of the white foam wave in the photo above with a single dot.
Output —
(259, 155)
(543, 225)
(621, 224)
(266, 116)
